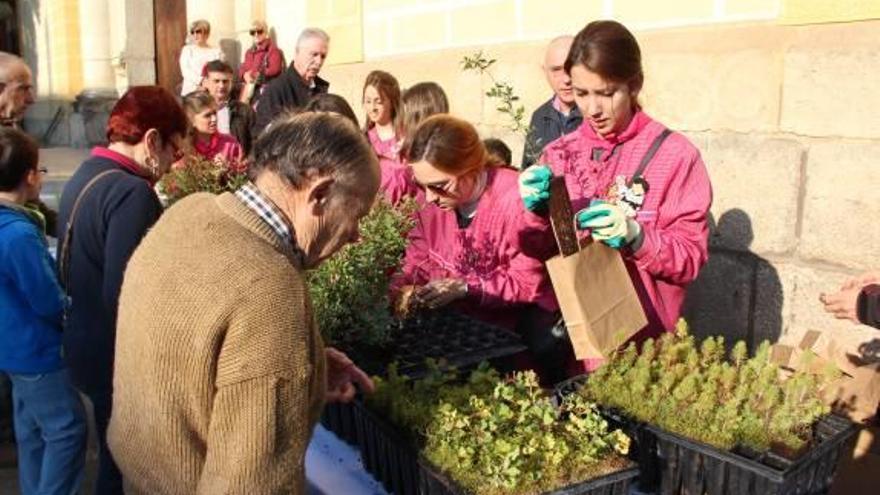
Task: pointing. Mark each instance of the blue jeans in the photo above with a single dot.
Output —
(50, 428)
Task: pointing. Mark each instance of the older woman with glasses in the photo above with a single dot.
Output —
(195, 55)
(263, 61)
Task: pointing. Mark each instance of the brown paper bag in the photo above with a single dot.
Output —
(598, 301)
(857, 393)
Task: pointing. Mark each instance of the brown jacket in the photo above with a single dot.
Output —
(219, 376)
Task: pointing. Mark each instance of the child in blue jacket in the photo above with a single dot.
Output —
(49, 418)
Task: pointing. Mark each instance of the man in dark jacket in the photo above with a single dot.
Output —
(559, 115)
(299, 82)
(233, 117)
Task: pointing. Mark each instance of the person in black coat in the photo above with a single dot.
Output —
(559, 115)
(293, 88)
(115, 204)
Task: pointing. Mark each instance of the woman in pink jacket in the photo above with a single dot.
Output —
(471, 248)
(636, 186)
(204, 139)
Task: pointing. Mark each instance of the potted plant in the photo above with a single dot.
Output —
(721, 423)
(198, 174)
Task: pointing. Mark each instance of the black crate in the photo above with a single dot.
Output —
(339, 419)
(434, 482)
(643, 442)
(387, 453)
(690, 467)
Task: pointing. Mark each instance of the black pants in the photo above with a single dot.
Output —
(109, 479)
(7, 434)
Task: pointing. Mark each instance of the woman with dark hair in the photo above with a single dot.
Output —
(419, 102)
(203, 138)
(468, 247)
(636, 186)
(106, 209)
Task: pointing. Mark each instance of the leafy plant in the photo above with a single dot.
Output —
(349, 291)
(198, 174)
(508, 101)
(516, 441)
(702, 393)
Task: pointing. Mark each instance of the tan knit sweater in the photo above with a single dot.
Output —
(219, 373)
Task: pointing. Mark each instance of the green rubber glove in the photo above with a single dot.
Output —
(609, 224)
(534, 187)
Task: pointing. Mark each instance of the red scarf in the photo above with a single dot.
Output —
(124, 163)
(209, 149)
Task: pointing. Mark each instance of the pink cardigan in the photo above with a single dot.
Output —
(397, 180)
(490, 255)
(226, 147)
(673, 217)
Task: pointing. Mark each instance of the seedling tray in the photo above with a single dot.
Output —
(460, 341)
(643, 443)
(690, 467)
(386, 452)
(434, 482)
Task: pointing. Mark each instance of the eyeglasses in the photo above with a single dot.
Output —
(197, 31)
(255, 32)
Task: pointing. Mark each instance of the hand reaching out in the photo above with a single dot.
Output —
(343, 375)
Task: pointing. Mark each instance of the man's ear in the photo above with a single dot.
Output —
(319, 194)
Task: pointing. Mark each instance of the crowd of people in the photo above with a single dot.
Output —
(190, 330)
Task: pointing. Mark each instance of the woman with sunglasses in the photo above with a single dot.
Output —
(106, 209)
(468, 247)
(263, 61)
(195, 55)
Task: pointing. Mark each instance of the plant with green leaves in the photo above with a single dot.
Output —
(700, 392)
(502, 92)
(199, 174)
(517, 441)
(349, 291)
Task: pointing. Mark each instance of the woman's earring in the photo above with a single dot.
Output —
(153, 165)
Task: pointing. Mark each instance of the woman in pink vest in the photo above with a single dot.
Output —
(382, 105)
(203, 139)
(471, 247)
(636, 186)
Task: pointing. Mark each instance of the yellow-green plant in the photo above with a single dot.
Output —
(199, 174)
(700, 392)
(516, 441)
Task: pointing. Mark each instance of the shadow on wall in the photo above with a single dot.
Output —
(738, 294)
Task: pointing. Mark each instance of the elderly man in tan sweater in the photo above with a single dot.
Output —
(220, 372)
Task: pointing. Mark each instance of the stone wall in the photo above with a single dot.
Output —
(788, 122)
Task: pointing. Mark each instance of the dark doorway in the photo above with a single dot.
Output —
(9, 36)
(170, 27)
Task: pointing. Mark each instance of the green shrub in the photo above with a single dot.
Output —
(349, 291)
(200, 175)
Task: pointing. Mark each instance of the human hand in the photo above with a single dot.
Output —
(609, 224)
(861, 280)
(250, 76)
(842, 304)
(440, 292)
(534, 187)
(342, 376)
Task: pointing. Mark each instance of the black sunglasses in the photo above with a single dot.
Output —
(197, 31)
(255, 32)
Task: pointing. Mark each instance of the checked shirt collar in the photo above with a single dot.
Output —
(269, 213)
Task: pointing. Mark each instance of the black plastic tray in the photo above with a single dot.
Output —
(340, 419)
(694, 467)
(672, 464)
(386, 452)
(434, 482)
(460, 341)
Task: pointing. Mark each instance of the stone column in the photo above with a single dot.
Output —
(94, 102)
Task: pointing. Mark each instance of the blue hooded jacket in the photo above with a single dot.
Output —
(31, 299)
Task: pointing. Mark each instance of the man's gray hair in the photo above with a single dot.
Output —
(312, 32)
